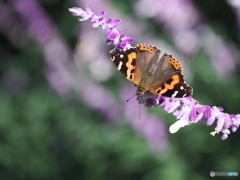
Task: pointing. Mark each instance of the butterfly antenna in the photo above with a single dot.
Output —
(131, 97)
(139, 119)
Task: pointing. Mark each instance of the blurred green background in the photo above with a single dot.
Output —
(62, 102)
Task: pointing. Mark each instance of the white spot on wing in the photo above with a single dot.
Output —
(121, 55)
(181, 87)
(184, 95)
(120, 65)
(113, 58)
(175, 93)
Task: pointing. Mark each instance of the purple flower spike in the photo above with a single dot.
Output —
(193, 114)
(114, 36)
(79, 12)
(187, 110)
(151, 102)
(208, 112)
(225, 134)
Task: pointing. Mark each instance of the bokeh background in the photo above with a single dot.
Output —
(63, 103)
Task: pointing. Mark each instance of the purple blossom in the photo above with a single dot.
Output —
(114, 36)
(187, 110)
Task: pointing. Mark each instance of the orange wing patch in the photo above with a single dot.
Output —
(165, 87)
(142, 47)
(150, 48)
(131, 65)
(175, 63)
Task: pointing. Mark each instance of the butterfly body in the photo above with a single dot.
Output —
(151, 71)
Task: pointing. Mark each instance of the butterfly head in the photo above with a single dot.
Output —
(140, 93)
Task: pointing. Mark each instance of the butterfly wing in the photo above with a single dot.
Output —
(147, 56)
(169, 80)
(127, 63)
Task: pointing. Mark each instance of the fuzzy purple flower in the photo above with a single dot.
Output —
(187, 110)
(114, 36)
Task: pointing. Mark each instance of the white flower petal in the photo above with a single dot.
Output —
(176, 126)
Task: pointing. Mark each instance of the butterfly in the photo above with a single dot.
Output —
(151, 71)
